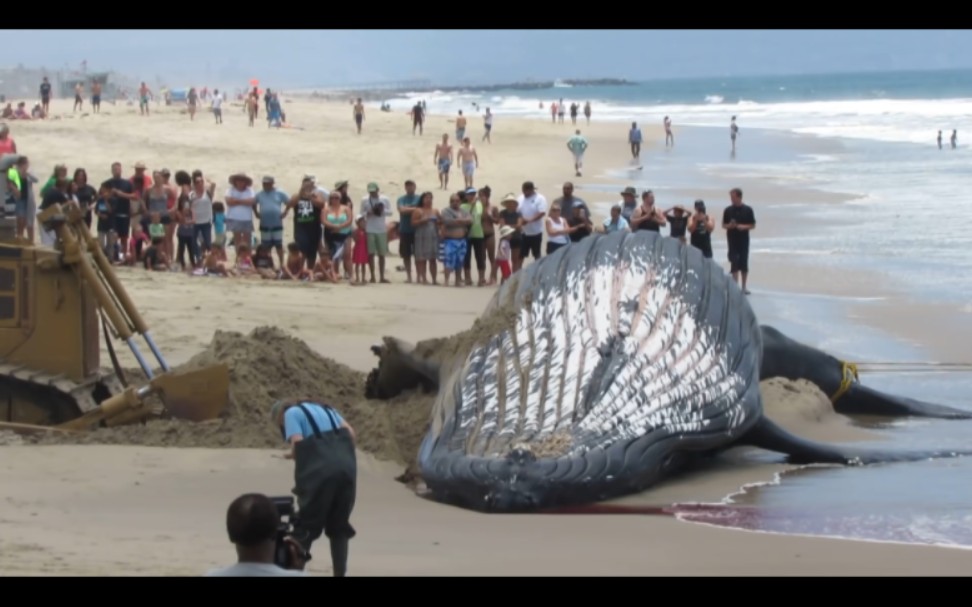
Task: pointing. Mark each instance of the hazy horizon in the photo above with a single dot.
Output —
(281, 57)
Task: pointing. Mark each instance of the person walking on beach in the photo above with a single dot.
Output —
(954, 139)
(442, 158)
(358, 114)
(634, 140)
(143, 99)
(939, 139)
(488, 125)
(468, 159)
(217, 103)
(669, 138)
(78, 97)
(738, 220)
(733, 131)
(460, 127)
(96, 97)
(45, 95)
(577, 146)
(418, 117)
(587, 111)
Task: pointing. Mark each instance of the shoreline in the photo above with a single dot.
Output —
(355, 320)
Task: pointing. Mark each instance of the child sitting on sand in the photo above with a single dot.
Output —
(294, 266)
(324, 268)
(215, 262)
(219, 222)
(263, 261)
(156, 229)
(360, 254)
(137, 245)
(154, 257)
(244, 261)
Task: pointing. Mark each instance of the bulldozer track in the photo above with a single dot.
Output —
(35, 397)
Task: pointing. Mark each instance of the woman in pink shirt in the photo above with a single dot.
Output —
(7, 144)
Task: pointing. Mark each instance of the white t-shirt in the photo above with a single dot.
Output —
(558, 225)
(202, 208)
(254, 570)
(239, 212)
(217, 101)
(529, 207)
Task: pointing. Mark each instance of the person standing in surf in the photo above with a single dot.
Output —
(733, 131)
(634, 140)
(738, 220)
(587, 111)
(669, 138)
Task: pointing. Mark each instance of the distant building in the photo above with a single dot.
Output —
(23, 84)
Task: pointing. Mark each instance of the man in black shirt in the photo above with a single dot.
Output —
(677, 222)
(122, 193)
(738, 220)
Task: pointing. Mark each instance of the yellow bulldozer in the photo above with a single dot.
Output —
(54, 302)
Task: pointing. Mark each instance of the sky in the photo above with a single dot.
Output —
(320, 58)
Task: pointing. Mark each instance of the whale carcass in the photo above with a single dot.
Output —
(606, 367)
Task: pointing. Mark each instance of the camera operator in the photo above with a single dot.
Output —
(325, 475)
(252, 522)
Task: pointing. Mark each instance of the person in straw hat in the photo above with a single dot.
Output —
(325, 474)
(240, 199)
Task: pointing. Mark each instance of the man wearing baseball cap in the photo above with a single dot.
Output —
(375, 208)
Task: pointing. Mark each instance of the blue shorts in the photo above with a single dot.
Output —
(444, 166)
(455, 253)
(271, 236)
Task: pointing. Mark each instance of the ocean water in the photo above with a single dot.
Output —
(873, 138)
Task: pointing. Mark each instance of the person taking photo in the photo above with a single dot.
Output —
(251, 522)
(325, 475)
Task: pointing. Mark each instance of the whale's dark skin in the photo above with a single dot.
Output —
(519, 481)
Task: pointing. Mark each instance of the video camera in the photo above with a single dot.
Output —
(288, 516)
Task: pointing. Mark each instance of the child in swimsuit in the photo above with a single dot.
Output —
(263, 262)
(295, 265)
(156, 229)
(360, 254)
(324, 268)
(154, 258)
(215, 262)
(244, 261)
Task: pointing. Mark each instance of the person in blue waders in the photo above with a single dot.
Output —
(275, 116)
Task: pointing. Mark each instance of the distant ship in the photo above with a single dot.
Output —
(560, 84)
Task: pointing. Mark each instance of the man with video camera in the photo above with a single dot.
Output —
(252, 522)
(325, 475)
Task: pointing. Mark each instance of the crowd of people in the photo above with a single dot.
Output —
(171, 222)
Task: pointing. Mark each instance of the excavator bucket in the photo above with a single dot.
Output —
(194, 395)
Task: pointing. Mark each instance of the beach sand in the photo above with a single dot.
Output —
(130, 509)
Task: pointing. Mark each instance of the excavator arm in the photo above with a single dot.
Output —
(196, 395)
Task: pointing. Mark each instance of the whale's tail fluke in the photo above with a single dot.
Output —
(768, 435)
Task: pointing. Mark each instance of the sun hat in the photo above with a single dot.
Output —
(511, 197)
(505, 231)
(139, 165)
(340, 184)
(240, 176)
(629, 190)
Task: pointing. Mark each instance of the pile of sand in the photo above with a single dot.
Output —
(265, 366)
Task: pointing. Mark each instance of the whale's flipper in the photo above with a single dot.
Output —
(862, 400)
(785, 357)
(400, 368)
(766, 434)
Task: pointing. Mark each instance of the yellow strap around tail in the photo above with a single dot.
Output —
(849, 371)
